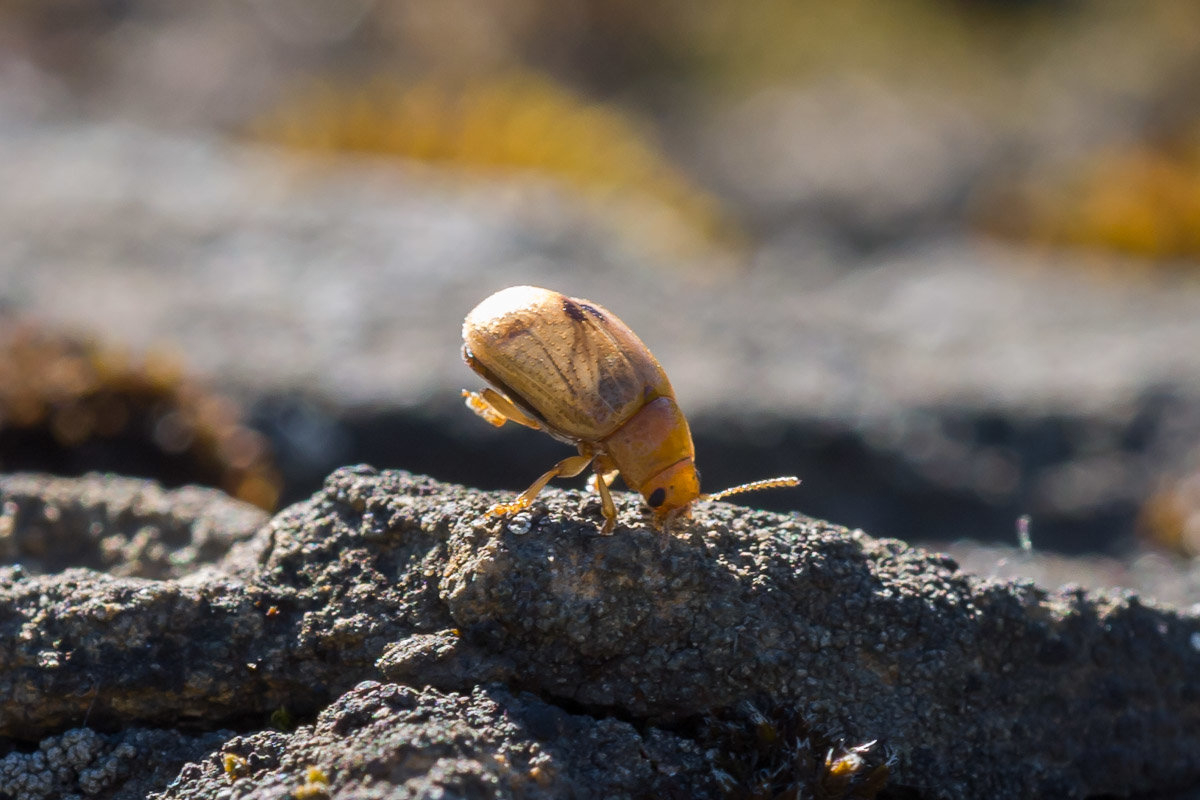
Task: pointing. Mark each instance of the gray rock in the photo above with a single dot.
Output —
(390, 741)
(813, 155)
(82, 763)
(977, 688)
(123, 526)
(1151, 573)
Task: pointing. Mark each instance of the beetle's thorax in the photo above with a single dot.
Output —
(653, 440)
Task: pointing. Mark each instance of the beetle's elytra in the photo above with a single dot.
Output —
(571, 368)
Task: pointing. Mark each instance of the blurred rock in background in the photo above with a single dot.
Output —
(937, 257)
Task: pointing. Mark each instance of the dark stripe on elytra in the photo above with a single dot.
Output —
(610, 390)
(591, 309)
(572, 310)
(582, 350)
(511, 329)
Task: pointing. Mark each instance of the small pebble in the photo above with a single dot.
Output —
(520, 524)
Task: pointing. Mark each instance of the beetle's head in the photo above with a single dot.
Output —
(671, 491)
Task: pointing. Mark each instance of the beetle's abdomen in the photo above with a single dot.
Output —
(571, 362)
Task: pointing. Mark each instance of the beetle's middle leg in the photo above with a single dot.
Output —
(567, 468)
(605, 468)
(606, 502)
(498, 409)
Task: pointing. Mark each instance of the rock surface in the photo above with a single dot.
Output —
(82, 763)
(395, 741)
(122, 526)
(975, 688)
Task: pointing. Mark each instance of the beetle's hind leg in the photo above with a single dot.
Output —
(567, 468)
(498, 409)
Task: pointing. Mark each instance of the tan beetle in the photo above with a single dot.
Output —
(572, 369)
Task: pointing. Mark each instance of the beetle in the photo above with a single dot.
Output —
(571, 368)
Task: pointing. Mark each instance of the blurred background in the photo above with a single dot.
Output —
(937, 257)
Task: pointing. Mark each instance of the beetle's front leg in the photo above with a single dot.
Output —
(498, 409)
(666, 523)
(568, 468)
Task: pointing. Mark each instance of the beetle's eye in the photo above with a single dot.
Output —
(657, 497)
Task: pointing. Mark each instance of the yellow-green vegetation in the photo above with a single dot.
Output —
(519, 121)
(235, 766)
(985, 54)
(316, 785)
(1171, 517)
(69, 404)
(1142, 200)
(933, 41)
(281, 718)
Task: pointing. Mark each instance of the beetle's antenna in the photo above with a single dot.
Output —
(753, 486)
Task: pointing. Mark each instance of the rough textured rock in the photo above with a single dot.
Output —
(389, 741)
(124, 526)
(977, 688)
(84, 763)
